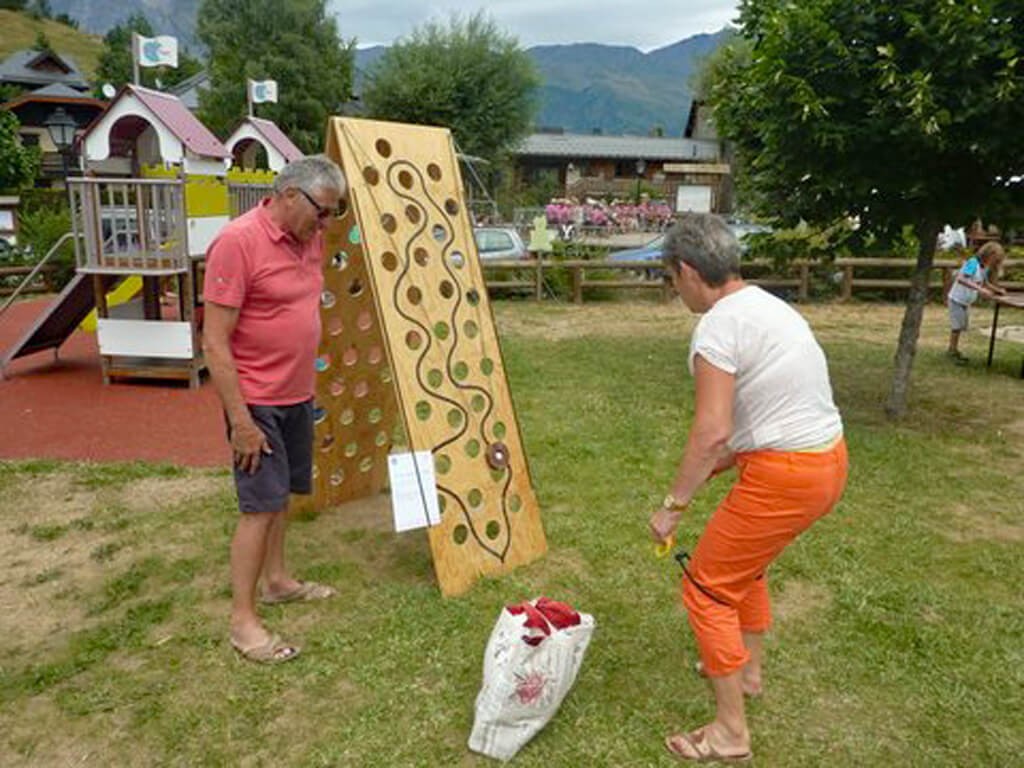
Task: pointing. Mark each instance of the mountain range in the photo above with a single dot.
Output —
(587, 87)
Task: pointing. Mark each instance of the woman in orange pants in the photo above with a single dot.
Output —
(763, 404)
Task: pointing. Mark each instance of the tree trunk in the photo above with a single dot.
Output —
(906, 348)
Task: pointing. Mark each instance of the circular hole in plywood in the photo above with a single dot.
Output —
(375, 355)
(451, 207)
(322, 363)
(351, 449)
(342, 209)
(339, 260)
(473, 297)
(364, 321)
(361, 389)
(434, 171)
(389, 261)
(413, 214)
(385, 375)
(337, 387)
(423, 410)
(389, 223)
(319, 414)
(383, 147)
(327, 299)
(413, 340)
(493, 530)
(347, 417)
(447, 289)
(337, 477)
(460, 533)
(350, 357)
(371, 175)
(439, 233)
(421, 256)
(335, 326)
(375, 415)
(381, 439)
(354, 235)
(355, 288)
(457, 259)
(414, 295)
(405, 179)
(366, 464)
(327, 443)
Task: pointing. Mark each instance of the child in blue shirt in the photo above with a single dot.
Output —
(972, 280)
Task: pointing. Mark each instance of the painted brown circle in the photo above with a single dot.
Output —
(422, 256)
(389, 222)
(383, 147)
(447, 289)
(371, 175)
(412, 213)
(434, 171)
(413, 340)
(451, 207)
(389, 261)
(405, 179)
(414, 295)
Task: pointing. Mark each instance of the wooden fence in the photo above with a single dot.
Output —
(11, 277)
(583, 274)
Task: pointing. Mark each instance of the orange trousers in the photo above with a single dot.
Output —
(778, 496)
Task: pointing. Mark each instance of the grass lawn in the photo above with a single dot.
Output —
(900, 617)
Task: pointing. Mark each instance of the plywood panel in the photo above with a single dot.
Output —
(453, 397)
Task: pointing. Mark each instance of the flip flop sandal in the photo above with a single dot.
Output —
(700, 749)
(307, 591)
(272, 651)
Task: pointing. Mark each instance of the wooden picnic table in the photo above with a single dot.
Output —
(1006, 300)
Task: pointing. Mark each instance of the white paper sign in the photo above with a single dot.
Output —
(413, 490)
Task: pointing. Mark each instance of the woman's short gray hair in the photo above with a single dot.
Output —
(310, 174)
(704, 242)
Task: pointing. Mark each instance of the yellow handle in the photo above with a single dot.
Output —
(665, 548)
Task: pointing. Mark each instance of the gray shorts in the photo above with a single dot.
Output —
(957, 316)
(289, 469)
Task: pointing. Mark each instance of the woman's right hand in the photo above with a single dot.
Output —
(248, 444)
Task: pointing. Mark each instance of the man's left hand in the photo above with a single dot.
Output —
(663, 523)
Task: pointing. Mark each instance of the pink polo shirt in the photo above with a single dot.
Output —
(275, 281)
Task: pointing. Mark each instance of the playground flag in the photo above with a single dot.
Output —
(160, 51)
(262, 90)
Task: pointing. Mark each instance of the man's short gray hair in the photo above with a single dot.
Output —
(310, 174)
(705, 243)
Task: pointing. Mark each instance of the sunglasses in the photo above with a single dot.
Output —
(322, 211)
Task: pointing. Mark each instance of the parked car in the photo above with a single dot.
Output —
(649, 252)
(499, 243)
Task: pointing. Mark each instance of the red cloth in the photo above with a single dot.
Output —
(542, 615)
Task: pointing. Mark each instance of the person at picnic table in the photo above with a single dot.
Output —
(763, 403)
(261, 331)
(973, 279)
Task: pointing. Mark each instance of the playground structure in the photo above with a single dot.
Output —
(156, 190)
(410, 353)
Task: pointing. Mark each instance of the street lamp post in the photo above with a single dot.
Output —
(61, 127)
(641, 166)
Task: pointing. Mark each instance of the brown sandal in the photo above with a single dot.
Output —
(271, 651)
(697, 749)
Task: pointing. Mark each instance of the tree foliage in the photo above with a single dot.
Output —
(115, 61)
(467, 76)
(903, 112)
(18, 164)
(293, 42)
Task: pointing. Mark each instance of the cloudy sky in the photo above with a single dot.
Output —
(643, 25)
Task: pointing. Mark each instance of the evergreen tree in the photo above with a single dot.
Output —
(18, 164)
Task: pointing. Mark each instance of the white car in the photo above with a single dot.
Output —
(499, 243)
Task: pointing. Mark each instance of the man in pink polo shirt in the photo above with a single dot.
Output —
(260, 335)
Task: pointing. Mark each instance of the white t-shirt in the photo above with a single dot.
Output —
(783, 398)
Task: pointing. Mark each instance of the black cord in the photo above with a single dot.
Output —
(681, 557)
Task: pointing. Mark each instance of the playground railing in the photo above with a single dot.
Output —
(35, 271)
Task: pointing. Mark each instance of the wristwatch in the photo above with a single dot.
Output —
(673, 504)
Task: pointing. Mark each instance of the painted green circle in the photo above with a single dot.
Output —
(351, 449)
(375, 415)
(460, 534)
(354, 236)
(487, 366)
(499, 430)
(442, 464)
(455, 418)
(382, 439)
(478, 403)
(515, 503)
(493, 530)
(460, 371)
(497, 475)
(423, 410)
(475, 498)
(347, 417)
(442, 502)
(435, 378)
(473, 448)
(471, 329)
(441, 330)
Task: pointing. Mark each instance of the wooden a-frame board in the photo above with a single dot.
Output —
(410, 354)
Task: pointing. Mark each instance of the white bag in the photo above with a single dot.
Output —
(524, 684)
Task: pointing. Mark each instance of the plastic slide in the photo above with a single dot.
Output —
(126, 291)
